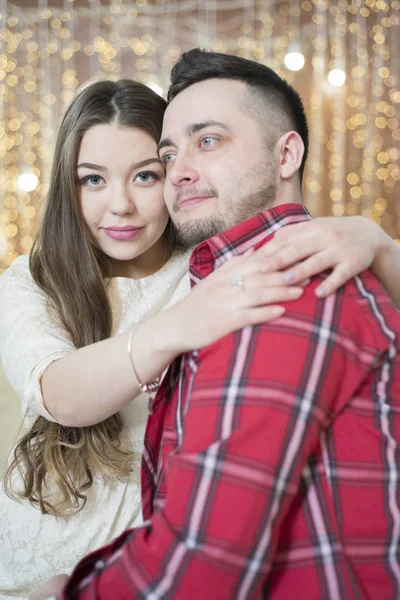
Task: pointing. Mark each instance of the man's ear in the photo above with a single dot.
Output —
(290, 150)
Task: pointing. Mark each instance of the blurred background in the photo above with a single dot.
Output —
(343, 58)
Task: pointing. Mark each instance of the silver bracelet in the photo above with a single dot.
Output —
(145, 388)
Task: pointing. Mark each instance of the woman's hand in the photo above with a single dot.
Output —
(347, 245)
(236, 294)
(53, 587)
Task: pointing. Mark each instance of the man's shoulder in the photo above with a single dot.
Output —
(365, 295)
(361, 310)
(358, 315)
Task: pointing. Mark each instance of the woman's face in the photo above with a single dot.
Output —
(121, 182)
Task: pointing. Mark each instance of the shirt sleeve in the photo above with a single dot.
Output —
(29, 340)
(257, 404)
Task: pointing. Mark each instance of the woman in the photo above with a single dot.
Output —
(103, 263)
(103, 266)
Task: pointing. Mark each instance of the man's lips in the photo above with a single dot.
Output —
(125, 232)
(192, 200)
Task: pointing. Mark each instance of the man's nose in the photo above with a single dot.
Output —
(182, 171)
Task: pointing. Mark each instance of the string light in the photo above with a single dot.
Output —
(28, 182)
(337, 77)
(353, 165)
(294, 61)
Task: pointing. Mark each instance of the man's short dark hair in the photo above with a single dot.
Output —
(273, 94)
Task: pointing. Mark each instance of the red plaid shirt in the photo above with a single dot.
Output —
(271, 463)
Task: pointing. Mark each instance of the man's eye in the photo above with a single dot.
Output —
(168, 157)
(92, 180)
(208, 141)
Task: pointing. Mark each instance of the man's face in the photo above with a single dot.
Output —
(221, 169)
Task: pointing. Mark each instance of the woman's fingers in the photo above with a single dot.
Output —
(314, 265)
(296, 243)
(335, 280)
(263, 296)
(53, 587)
(342, 271)
(297, 252)
(257, 280)
(256, 315)
(263, 314)
(261, 280)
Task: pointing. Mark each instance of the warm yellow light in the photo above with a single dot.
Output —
(28, 182)
(156, 87)
(337, 77)
(294, 61)
(362, 119)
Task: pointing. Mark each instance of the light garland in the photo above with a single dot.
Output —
(47, 52)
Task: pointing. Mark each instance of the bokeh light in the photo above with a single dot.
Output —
(337, 77)
(28, 182)
(341, 56)
(294, 61)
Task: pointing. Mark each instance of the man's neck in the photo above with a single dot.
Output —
(250, 234)
(288, 194)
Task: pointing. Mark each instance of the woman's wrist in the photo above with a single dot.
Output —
(172, 341)
(148, 387)
(154, 345)
(385, 247)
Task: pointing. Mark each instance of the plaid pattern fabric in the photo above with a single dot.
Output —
(271, 458)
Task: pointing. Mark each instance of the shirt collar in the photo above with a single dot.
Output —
(251, 234)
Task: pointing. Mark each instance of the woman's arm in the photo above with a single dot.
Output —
(90, 384)
(347, 245)
(83, 387)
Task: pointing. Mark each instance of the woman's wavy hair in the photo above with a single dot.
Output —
(72, 272)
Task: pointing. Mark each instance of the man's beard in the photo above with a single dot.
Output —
(237, 211)
(194, 232)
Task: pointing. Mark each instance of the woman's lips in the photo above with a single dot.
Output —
(122, 233)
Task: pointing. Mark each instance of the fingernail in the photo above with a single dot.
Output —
(289, 276)
(277, 311)
(320, 292)
(305, 282)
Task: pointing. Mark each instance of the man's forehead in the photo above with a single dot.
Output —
(216, 90)
(205, 101)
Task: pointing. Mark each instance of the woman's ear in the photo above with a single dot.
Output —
(291, 151)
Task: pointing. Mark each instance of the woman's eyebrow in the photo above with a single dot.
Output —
(91, 166)
(137, 165)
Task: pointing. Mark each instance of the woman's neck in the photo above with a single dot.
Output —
(144, 265)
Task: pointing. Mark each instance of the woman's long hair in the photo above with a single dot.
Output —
(71, 271)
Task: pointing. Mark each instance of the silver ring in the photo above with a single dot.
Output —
(237, 281)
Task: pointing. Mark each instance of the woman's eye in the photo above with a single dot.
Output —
(208, 141)
(146, 177)
(92, 180)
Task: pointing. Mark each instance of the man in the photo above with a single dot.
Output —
(271, 457)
